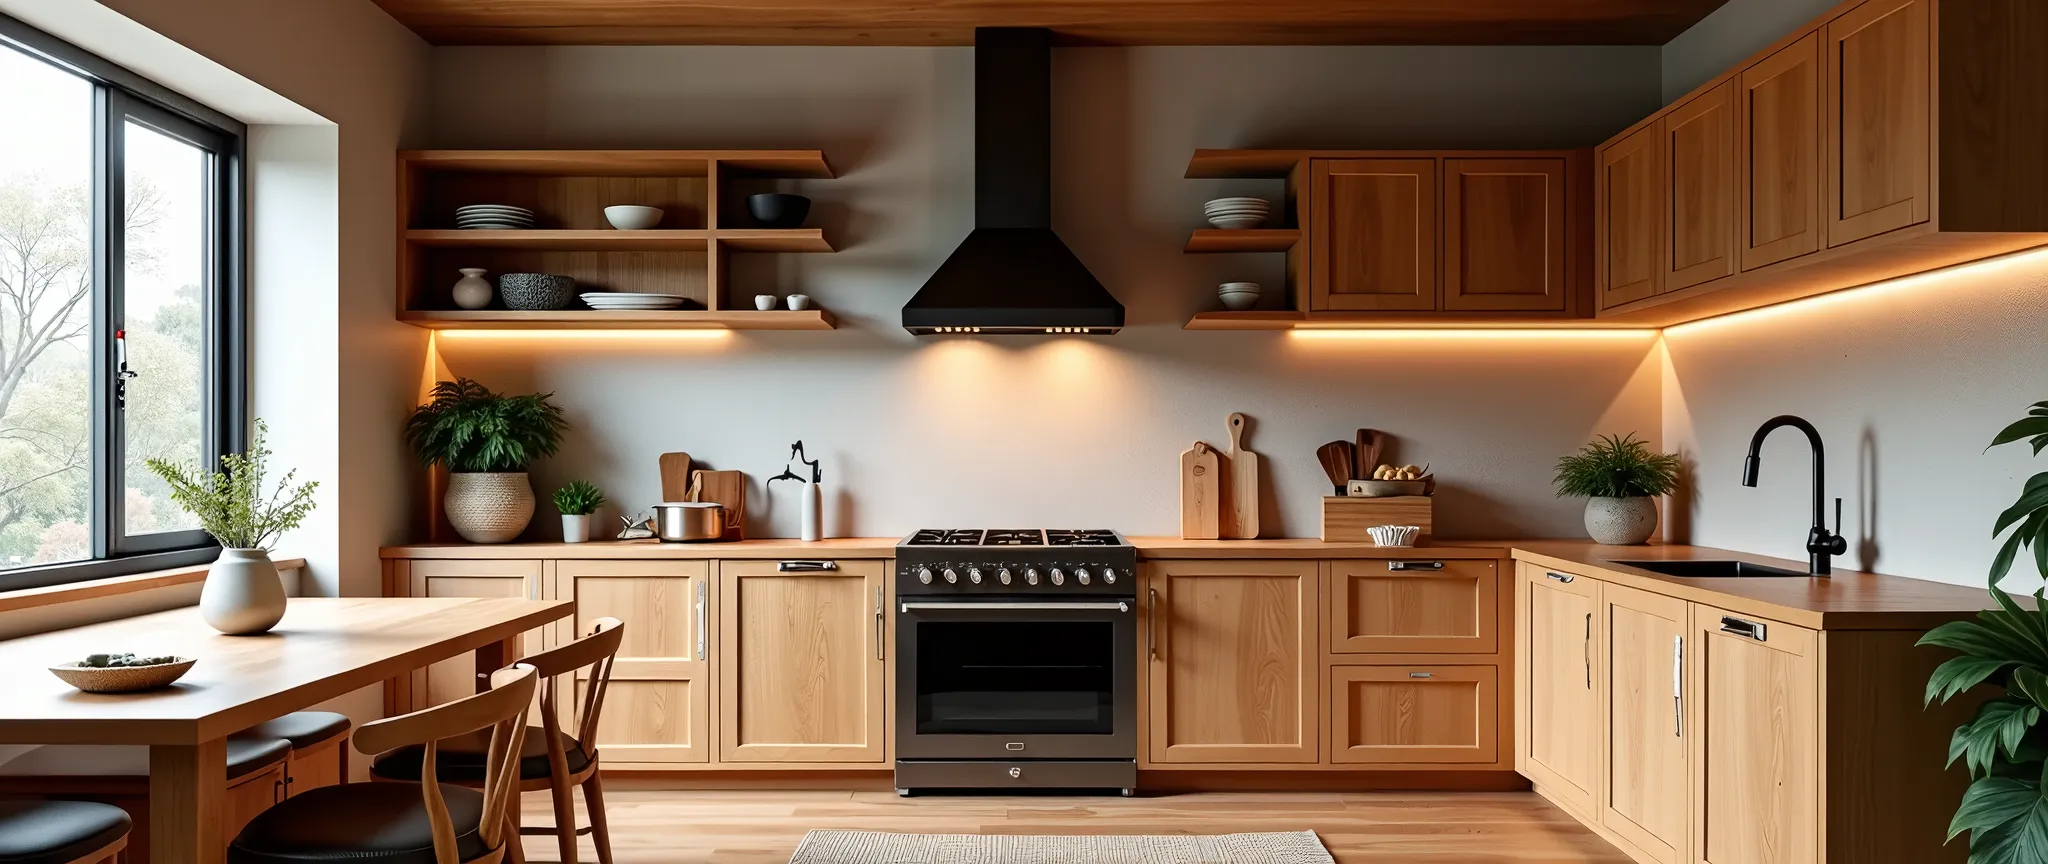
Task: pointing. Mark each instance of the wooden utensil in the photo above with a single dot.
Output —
(1336, 459)
(1241, 500)
(728, 488)
(1367, 457)
(1200, 493)
(675, 477)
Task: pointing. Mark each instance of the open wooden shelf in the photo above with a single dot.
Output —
(1242, 239)
(573, 319)
(603, 240)
(1287, 319)
(793, 164)
(773, 239)
(1251, 320)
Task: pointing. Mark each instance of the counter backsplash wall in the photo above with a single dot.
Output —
(1054, 431)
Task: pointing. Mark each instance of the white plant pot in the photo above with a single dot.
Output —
(575, 529)
(242, 595)
(491, 507)
(1621, 521)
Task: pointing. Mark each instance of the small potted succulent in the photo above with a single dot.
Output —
(578, 501)
(242, 595)
(486, 441)
(1621, 478)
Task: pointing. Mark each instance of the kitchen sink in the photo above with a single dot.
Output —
(1708, 569)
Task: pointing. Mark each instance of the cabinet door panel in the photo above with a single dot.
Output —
(1414, 607)
(1780, 102)
(1700, 189)
(658, 706)
(1757, 752)
(1558, 714)
(1877, 129)
(1411, 714)
(1648, 785)
(455, 677)
(1376, 235)
(1234, 673)
(800, 669)
(1504, 235)
(1628, 217)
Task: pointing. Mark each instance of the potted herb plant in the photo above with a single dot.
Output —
(486, 441)
(577, 501)
(2005, 745)
(242, 595)
(1620, 477)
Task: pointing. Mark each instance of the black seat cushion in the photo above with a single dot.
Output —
(461, 759)
(358, 823)
(247, 756)
(303, 728)
(56, 832)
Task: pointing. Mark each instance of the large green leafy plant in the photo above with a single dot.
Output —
(230, 502)
(2004, 746)
(1614, 466)
(469, 429)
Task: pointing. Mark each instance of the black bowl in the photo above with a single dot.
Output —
(778, 209)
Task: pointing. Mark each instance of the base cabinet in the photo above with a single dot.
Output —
(1234, 667)
(456, 677)
(658, 706)
(802, 662)
(1647, 795)
(1757, 754)
(1558, 713)
(1412, 714)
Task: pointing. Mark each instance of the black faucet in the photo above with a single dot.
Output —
(1822, 545)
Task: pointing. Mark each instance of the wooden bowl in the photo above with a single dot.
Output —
(122, 679)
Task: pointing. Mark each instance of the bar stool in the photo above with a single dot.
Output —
(319, 752)
(62, 832)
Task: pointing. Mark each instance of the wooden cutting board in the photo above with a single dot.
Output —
(1240, 498)
(1200, 493)
(675, 477)
(728, 488)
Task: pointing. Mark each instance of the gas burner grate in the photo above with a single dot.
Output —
(1020, 537)
(1090, 537)
(946, 537)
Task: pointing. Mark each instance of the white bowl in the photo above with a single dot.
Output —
(1394, 535)
(1238, 296)
(1237, 221)
(630, 217)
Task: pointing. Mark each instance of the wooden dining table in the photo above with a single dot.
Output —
(324, 648)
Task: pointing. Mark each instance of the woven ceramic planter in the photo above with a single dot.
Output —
(1621, 521)
(489, 507)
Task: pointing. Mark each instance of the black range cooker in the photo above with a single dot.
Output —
(1016, 660)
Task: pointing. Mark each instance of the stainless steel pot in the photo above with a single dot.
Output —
(688, 521)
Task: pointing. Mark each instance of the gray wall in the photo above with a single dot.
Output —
(1729, 34)
(1060, 431)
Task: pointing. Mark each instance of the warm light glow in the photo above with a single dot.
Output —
(584, 335)
(1468, 334)
(2035, 257)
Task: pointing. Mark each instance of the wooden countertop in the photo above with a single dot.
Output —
(841, 547)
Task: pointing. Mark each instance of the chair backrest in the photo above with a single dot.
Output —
(596, 652)
(502, 709)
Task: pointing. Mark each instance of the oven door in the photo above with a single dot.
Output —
(1017, 679)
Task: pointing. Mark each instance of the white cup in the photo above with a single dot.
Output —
(765, 302)
(799, 302)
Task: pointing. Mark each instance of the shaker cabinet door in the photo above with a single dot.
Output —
(1628, 218)
(1647, 799)
(1779, 104)
(800, 667)
(1878, 84)
(1234, 670)
(1505, 235)
(1375, 239)
(657, 708)
(1558, 714)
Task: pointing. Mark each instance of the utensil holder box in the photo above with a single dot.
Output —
(1345, 519)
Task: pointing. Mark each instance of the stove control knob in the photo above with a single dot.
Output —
(951, 577)
(1081, 575)
(1003, 575)
(974, 575)
(1030, 575)
(1109, 575)
(1058, 578)
(924, 575)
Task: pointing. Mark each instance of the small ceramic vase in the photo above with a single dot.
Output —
(799, 302)
(764, 302)
(242, 595)
(472, 291)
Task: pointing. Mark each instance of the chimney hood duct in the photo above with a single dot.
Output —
(1012, 274)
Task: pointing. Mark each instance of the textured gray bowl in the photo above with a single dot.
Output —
(536, 292)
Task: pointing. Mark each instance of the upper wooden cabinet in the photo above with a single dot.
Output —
(1232, 661)
(801, 665)
(1505, 235)
(1375, 237)
(1878, 84)
(1780, 108)
(1700, 189)
(1629, 218)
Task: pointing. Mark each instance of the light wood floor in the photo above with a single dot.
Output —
(763, 827)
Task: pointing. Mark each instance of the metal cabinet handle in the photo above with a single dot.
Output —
(1588, 649)
(700, 619)
(1152, 623)
(1678, 686)
(1102, 606)
(1561, 577)
(806, 566)
(1398, 566)
(1422, 674)
(878, 624)
(1744, 627)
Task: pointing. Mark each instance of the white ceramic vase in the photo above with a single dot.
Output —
(242, 595)
(1621, 521)
(575, 529)
(472, 291)
(489, 507)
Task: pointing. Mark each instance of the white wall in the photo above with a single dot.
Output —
(1052, 431)
(1729, 34)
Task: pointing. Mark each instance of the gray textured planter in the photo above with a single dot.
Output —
(1621, 521)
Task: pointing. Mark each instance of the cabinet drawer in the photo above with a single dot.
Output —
(1406, 714)
(1414, 606)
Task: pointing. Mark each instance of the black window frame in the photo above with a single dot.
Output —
(120, 97)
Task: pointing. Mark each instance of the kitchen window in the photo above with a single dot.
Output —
(121, 311)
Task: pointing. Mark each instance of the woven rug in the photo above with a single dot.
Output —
(875, 847)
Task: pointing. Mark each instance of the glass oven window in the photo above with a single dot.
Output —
(1021, 678)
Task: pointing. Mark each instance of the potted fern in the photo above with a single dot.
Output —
(577, 501)
(1621, 478)
(242, 595)
(486, 441)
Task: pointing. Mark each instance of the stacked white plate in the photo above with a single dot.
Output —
(611, 301)
(1237, 212)
(493, 216)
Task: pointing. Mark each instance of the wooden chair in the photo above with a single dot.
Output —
(551, 760)
(380, 823)
(62, 832)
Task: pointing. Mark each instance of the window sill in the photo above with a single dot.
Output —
(30, 598)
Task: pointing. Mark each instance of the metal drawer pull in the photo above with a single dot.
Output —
(1742, 627)
(1422, 674)
(1561, 577)
(700, 619)
(806, 566)
(1118, 606)
(1014, 745)
(1678, 686)
(1588, 649)
(1152, 624)
(1398, 566)
(878, 625)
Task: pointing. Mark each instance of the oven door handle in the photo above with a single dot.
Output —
(1111, 606)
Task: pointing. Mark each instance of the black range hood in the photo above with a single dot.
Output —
(1012, 274)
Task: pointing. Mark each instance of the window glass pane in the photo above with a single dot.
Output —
(165, 264)
(45, 313)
